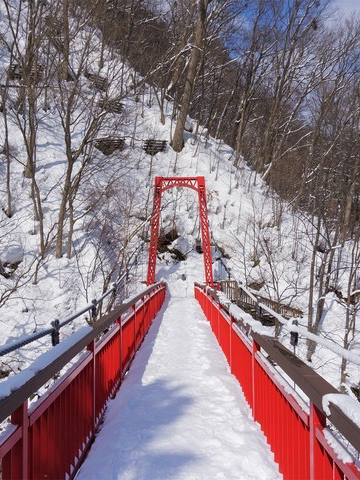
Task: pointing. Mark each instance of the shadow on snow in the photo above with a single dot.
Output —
(132, 443)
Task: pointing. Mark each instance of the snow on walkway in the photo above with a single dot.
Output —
(179, 414)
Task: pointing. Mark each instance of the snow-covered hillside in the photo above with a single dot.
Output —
(261, 240)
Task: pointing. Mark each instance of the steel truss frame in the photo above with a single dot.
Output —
(161, 185)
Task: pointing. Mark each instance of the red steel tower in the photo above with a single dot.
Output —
(197, 184)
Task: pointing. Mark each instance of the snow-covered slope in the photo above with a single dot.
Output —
(263, 241)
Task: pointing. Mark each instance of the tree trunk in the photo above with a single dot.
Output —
(349, 201)
(312, 284)
(62, 212)
(2, 270)
(178, 141)
(71, 226)
(66, 38)
(180, 60)
(8, 209)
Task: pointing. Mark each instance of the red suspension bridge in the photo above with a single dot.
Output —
(51, 437)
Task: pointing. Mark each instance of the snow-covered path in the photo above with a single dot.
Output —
(179, 414)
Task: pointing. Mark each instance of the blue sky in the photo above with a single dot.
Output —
(347, 6)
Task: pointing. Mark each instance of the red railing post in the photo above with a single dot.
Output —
(91, 349)
(134, 350)
(152, 302)
(317, 421)
(255, 349)
(149, 310)
(19, 455)
(118, 321)
(231, 343)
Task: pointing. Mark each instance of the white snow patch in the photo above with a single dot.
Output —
(240, 315)
(12, 253)
(188, 124)
(11, 384)
(338, 448)
(184, 244)
(347, 405)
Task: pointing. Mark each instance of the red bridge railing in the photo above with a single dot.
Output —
(50, 438)
(297, 428)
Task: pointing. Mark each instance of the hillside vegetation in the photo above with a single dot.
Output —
(260, 97)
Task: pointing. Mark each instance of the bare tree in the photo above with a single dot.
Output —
(177, 141)
(25, 65)
(351, 303)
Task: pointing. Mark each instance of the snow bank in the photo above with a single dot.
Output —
(246, 318)
(338, 448)
(11, 384)
(184, 244)
(349, 406)
(12, 253)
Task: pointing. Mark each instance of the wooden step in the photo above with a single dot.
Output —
(16, 72)
(111, 105)
(98, 82)
(152, 146)
(109, 145)
(58, 42)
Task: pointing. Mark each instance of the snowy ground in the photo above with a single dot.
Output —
(261, 238)
(180, 414)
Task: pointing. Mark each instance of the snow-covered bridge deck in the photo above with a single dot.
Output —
(179, 414)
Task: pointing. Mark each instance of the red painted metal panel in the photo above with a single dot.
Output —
(52, 440)
(162, 184)
(13, 437)
(295, 437)
(214, 319)
(241, 366)
(39, 408)
(289, 398)
(140, 323)
(339, 469)
(224, 334)
(127, 343)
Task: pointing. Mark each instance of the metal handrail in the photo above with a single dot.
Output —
(265, 303)
(311, 383)
(294, 328)
(56, 324)
(21, 394)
